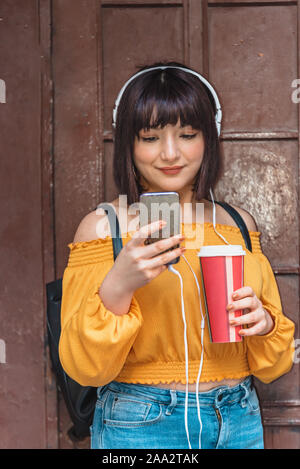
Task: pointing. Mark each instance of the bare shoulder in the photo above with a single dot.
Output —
(95, 224)
(91, 227)
(247, 217)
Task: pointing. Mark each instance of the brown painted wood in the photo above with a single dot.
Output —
(250, 2)
(69, 61)
(164, 38)
(22, 377)
(77, 144)
(142, 3)
(247, 44)
(196, 46)
(79, 181)
(48, 209)
(250, 66)
(269, 192)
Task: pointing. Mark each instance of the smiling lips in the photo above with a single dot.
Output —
(171, 170)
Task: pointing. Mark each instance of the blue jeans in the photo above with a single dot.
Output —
(138, 416)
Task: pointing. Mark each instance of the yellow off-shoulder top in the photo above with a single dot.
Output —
(146, 345)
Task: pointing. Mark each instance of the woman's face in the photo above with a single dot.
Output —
(168, 147)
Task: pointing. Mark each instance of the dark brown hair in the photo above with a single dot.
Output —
(174, 94)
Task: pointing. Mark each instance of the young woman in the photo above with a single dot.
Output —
(122, 327)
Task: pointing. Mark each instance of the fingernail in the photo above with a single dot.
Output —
(229, 307)
(234, 296)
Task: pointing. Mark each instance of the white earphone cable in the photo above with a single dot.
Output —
(171, 269)
(202, 350)
(214, 217)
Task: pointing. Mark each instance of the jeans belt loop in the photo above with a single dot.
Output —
(244, 399)
(173, 402)
(219, 396)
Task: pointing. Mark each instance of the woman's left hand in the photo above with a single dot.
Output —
(261, 321)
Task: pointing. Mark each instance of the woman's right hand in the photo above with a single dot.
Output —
(137, 264)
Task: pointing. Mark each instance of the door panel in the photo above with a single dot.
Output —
(268, 169)
(252, 62)
(22, 379)
(249, 51)
(70, 59)
(164, 38)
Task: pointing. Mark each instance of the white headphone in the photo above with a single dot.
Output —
(218, 115)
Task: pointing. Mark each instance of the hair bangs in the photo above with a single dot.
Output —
(167, 104)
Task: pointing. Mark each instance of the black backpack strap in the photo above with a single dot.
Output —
(239, 221)
(114, 227)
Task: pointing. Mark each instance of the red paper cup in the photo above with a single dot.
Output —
(222, 272)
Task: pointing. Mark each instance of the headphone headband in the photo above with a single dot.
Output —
(218, 116)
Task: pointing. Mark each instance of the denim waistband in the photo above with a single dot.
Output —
(219, 395)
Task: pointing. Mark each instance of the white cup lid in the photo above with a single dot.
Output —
(221, 250)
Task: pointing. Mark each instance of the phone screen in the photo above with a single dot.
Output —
(165, 206)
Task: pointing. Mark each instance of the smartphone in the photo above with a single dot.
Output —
(165, 206)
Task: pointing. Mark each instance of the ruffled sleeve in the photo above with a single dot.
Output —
(94, 342)
(270, 355)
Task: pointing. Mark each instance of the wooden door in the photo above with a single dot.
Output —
(249, 51)
(23, 402)
(252, 60)
(63, 63)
